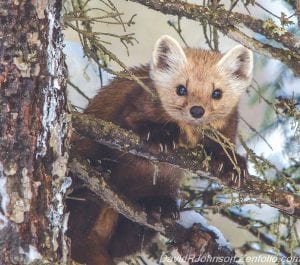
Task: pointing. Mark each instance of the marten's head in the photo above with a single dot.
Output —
(197, 86)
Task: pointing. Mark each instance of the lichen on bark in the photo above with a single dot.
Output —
(34, 133)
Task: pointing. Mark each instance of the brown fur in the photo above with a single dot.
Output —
(98, 233)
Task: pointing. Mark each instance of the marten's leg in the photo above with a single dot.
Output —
(138, 178)
(152, 186)
(129, 238)
(91, 225)
(155, 189)
(100, 257)
(99, 238)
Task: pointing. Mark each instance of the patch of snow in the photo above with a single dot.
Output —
(32, 254)
(281, 138)
(290, 85)
(65, 245)
(4, 198)
(50, 92)
(189, 218)
(262, 73)
(51, 50)
(263, 213)
(49, 116)
(66, 184)
(54, 128)
(255, 246)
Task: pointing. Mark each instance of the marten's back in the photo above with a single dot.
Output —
(126, 103)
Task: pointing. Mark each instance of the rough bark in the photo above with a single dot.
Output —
(33, 131)
(191, 160)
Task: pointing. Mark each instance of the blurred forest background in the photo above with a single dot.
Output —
(271, 129)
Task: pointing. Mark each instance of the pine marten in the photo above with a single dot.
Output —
(195, 88)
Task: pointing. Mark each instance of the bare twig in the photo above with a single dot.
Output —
(78, 90)
(178, 29)
(92, 42)
(256, 132)
(254, 229)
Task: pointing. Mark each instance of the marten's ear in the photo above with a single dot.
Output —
(167, 57)
(237, 66)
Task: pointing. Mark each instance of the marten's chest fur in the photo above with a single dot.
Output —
(130, 106)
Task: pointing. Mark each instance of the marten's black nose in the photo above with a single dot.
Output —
(197, 111)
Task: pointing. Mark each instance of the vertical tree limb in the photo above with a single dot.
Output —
(33, 131)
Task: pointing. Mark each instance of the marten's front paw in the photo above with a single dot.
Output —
(164, 136)
(236, 173)
(161, 207)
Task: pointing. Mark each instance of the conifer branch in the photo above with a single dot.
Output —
(120, 139)
(228, 22)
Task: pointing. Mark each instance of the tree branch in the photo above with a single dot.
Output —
(198, 238)
(267, 28)
(265, 49)
(191, 160)
(227, 22)
(254, 230)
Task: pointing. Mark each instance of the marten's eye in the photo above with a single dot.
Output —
(181, 90)
(216, 94)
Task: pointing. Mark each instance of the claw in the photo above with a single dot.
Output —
(159, 209)
(161, 147)
(245, 174)
(148, 136)
(232, 177)
(174, 145)
(166, 148)
(221, 167)
(156, 215)
(171, 215)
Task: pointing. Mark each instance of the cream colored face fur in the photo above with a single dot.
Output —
(200, 72)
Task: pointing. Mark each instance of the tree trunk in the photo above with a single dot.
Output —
(34, 133)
